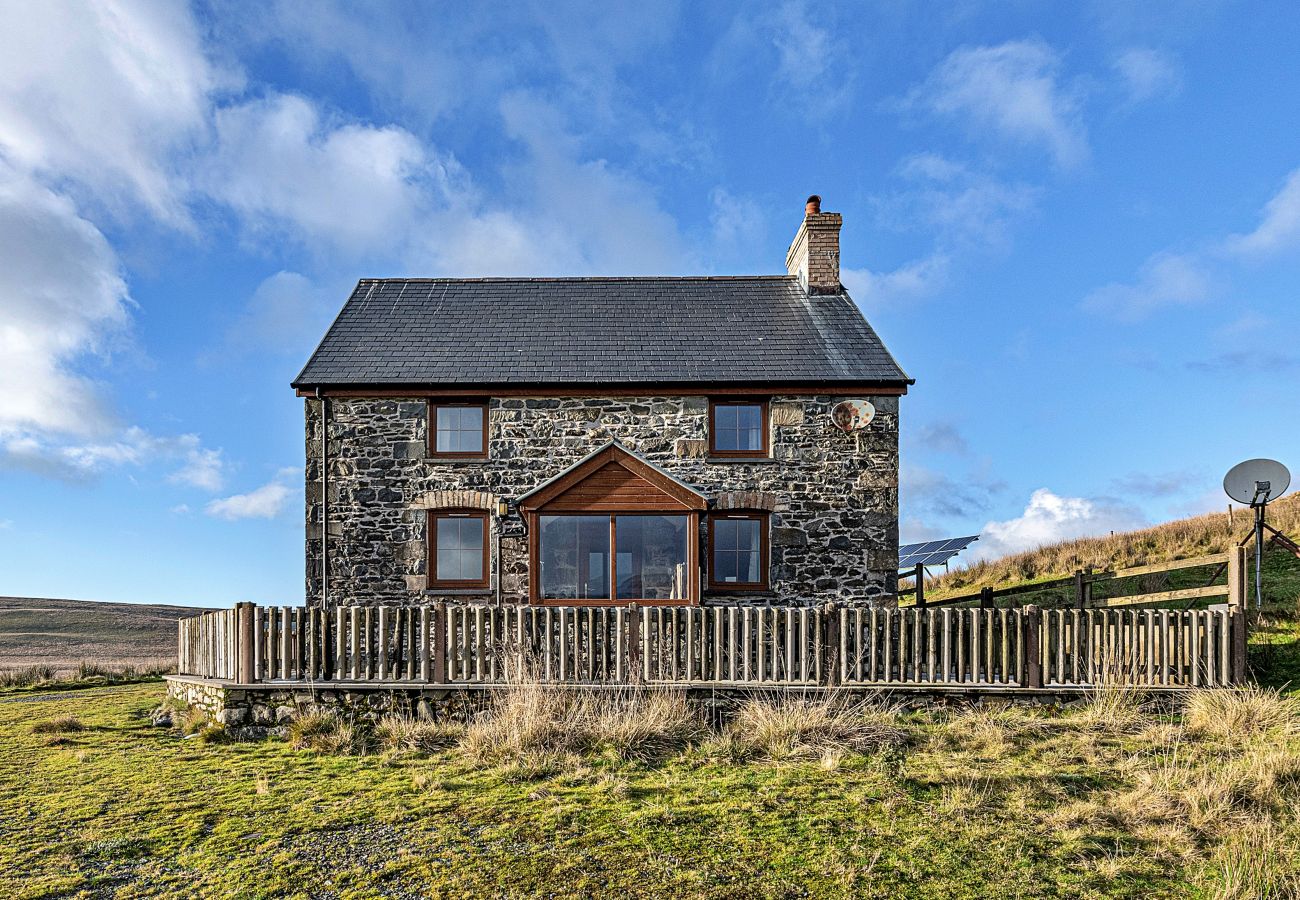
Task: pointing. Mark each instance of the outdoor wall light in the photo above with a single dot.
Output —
(503, 508)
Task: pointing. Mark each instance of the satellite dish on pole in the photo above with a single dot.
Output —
(1256, 483)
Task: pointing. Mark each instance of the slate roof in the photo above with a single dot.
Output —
(529, 331)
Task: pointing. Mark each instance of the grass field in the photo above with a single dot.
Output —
(548, 797)
(62, 635)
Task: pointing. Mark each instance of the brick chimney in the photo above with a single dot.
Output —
(814, 255)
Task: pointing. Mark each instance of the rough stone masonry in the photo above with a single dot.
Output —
(833, 496)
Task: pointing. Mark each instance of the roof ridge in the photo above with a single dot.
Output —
(572, 278)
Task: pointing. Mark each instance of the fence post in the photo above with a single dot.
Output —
(1238, 615)
(440, 643)
(244, 615)
(1240, 633)
(1033, 620)
(634, 648)
(830, 637)
(920, 585)
(1236, 577)
(1080, 589)
(986, 597)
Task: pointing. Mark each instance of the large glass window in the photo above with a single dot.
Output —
(650, 557)
(738, 429)
(645, 556)
(458, 545)
(738, 551)
(574, 557)
(459, 430)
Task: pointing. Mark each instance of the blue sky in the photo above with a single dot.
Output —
(1076, 225)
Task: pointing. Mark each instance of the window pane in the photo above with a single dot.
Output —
(459, 545)
(738, 427)
(737, 550)
(574, 557)
(458, 429)
(651, 557)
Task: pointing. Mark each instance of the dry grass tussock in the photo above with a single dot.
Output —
(525, 723)
(794, 727)
(1181, 539)
(403, 734)
(59, 725)
(1194, 795)
(1242, 713)
(43, 674)
(992, 731)
(1256, 863)
(324, 732)
(1113, 708)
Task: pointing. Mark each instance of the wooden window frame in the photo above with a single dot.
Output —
(431, 409)
(765, 452)
(764, 583)
(692, 597)
(431, 543)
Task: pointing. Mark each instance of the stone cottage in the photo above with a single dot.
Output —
(578, 441)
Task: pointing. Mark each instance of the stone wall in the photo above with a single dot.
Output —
(833, 496)
(267, 710)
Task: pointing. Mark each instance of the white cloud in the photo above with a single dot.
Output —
(965, 208)
(1279, 228)
(1011, 89)
(1050, 518)
(811, 73)
(550, 227)
(265, 502)
(286, 314)
(283, 166)
(203, 468)
(737, 222)
(919, 278)
(73, 460)
(62, 298)
(926, 493)
(1146, 74)
(1164, 280)
(105, 93)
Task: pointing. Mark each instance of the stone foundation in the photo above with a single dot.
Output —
(252, 711)
(258, 711)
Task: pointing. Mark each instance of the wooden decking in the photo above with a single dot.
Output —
(1028, 649)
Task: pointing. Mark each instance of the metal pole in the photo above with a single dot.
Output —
(324, 498)
(1259, 556)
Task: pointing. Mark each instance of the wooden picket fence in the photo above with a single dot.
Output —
(719, 646)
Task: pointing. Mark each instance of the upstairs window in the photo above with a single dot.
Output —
(738, 428)
(738, 552)
(458, 549)
(458, 430)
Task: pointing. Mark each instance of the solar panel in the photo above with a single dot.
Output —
(932, 553)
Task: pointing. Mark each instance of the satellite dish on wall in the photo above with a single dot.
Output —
(852, 415)
(1256, 481)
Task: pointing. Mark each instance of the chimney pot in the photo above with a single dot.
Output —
(813, 206)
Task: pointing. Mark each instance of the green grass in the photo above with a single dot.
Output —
(984, 804)
(1036, 804)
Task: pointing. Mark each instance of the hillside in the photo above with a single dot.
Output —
(63, 634)
(1179, 539)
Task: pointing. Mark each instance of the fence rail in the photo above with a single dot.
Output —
(1077, 590)
(720, 646)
